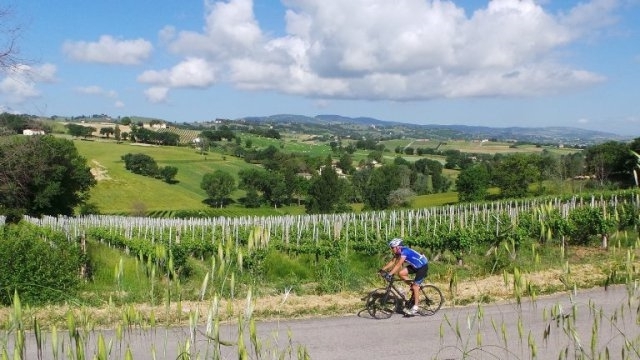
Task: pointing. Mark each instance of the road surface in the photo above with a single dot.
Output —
(546, 327)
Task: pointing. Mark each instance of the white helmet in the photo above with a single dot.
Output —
(395, 242)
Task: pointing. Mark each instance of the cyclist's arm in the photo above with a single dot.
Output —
(397, 264)
(389, 265)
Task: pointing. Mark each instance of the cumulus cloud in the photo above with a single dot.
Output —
(191, 73)
(21, 84)
(108, 50)
(377, 49)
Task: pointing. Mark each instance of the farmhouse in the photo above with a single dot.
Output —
(31, 132)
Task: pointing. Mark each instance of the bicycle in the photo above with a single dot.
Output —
(381, 303)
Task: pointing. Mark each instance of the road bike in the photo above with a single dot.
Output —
(381, 303)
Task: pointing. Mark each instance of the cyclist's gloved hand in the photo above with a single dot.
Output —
(388, 276)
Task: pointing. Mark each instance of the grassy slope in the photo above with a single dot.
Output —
(121, 189)
(122, 192)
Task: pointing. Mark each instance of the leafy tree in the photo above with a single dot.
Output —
(252, 199)
(472, 183)
(218, 185)
(80, 130)
(43, 175)
(610, 162)
(382, 181)
(117, 133)
(375, 155)
(359, 181)
(168, 174)
(126, 121)
(571, 165)
(251, 178)
(141, 164)
(346, 163)
(326, 192)
(106, 131)
(514, 173)
(433, 169)
(12, 123)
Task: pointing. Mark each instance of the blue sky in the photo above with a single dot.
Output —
(492, 63)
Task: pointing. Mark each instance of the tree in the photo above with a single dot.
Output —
(218, 185)
(472, 183)
(514, 173)
(168, 174)
(610, 162)
(106, 131)
(80, 130)
(12, 123)
(42, 175)
(141, 164)
(326, 192)
(400, 197)
(382, 182)
(433, 169)
(117, 133)
(346, 163)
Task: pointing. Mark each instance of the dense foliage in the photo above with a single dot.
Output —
(143, 164)
(42, 175)
(40, 264)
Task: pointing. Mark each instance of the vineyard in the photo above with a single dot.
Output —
(186, 136)
(457, 230)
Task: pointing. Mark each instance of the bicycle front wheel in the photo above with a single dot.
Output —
(380, 304)
(431, 300)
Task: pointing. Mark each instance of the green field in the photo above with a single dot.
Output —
(120, 191)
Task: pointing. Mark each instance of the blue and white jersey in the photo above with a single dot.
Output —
(413, 257)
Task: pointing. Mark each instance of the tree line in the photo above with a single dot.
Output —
(45, 175)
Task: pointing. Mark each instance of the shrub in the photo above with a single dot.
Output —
(41, 265)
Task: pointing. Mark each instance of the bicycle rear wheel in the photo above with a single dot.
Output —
(431, 300)
(380, 304)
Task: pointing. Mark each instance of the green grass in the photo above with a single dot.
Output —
(121, 191)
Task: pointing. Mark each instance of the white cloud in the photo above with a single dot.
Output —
(108, 50)
(157, 94)
(377, 49)
(21, 84)
(193, 72)
(118, 104)
(97, 90)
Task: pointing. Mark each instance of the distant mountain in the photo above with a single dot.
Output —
(341, 124)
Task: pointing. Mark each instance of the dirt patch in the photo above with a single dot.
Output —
(99, 172)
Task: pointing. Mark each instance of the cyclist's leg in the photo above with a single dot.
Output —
(404, 275)
(420, 275)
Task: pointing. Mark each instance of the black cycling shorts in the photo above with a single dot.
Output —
(421, 273)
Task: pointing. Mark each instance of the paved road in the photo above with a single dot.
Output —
(548, 326)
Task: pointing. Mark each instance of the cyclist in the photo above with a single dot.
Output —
(417, 264)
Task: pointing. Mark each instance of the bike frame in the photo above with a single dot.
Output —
(391, 288)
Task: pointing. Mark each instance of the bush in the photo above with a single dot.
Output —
(41, 265)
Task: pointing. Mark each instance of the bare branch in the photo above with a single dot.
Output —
(9, 34)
